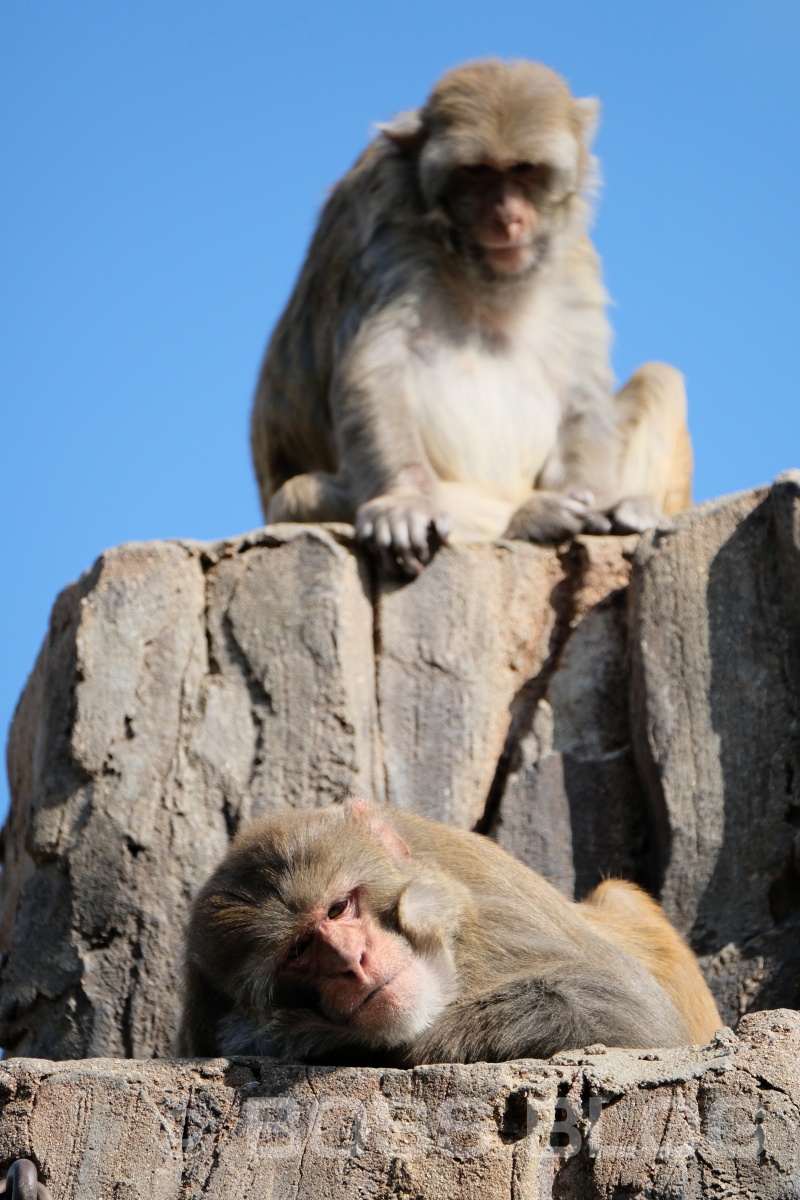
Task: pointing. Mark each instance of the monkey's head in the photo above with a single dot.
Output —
(502, 153)
(320, 930)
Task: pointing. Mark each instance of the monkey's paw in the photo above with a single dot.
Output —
(635, 514)
(402, 531)
(554, 516)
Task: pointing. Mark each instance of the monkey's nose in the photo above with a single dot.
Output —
(343, 959)
(509, 224)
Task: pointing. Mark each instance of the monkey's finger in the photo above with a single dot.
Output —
(419, 526)
(597, 523)
(567, 524)
(409, 556)
(400, 533)
(382, 533)
(364, 528)
(382, 545)
(548, 527)
(574, 505)
(442, 525)
(583, 496)
(635, 514)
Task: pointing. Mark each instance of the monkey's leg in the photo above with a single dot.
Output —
(632, 919)
(656, 463)
(477, 515)
(316, 496)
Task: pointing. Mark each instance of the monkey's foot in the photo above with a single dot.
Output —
(554, 516)
(635, 514)
(403, 532)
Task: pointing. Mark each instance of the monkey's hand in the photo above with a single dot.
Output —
(635, 514)
(554, 516)
(403, 529)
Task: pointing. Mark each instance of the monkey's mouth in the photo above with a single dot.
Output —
(507, 247)
(510, 258)
(338, 1017)
(371, 995)
(512, 262)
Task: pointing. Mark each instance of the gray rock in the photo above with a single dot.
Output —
(569, 802)
(715, 609)
(454, 649)
(592, 727)
(716, 1121)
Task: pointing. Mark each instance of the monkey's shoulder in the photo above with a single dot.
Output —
(472, 858)
(380, 191)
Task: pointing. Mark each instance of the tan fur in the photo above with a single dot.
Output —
(505, 966)
(633, 920)
(657, 460)
(415, 387)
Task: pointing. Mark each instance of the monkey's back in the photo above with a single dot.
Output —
(339, 283)
(521, 935)
(508, 897)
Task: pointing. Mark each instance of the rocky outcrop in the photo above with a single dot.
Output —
(612, 707)
(715, 624)
(722, 1121)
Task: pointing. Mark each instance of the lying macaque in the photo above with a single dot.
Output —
(360, 935)
(442, 366)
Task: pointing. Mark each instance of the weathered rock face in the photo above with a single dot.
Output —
(716, 712)
(592, 726)
(592, 1124)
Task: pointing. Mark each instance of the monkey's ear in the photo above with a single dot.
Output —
(380, 829)
(432, 906)
(588, 109)
(405, 130)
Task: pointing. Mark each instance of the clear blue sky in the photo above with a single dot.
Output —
(162, 165)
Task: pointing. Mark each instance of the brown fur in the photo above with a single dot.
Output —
(632, 919)
(512, 968)
(421, 383)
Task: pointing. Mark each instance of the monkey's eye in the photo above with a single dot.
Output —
(476, 172)
(337, 909)
(533, 174)
(298, 949)
(237, 898)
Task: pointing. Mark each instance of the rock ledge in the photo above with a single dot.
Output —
(719, 1121)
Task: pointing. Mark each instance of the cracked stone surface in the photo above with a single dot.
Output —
(611, 707)
(715, 648)
(721, 1121)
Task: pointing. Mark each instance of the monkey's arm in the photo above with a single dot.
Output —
(394, 487)
(579, 481)
(567, 1007)
(203, 1009)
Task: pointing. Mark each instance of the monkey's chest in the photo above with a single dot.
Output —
(489, 420)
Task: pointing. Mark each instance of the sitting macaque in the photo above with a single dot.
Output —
(442, 366)
(366, 936)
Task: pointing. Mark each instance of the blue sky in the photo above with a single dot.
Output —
(163, 162)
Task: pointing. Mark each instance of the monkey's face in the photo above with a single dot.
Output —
(362, 975)
(323, 925)
(501, 153)
(501, 214)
